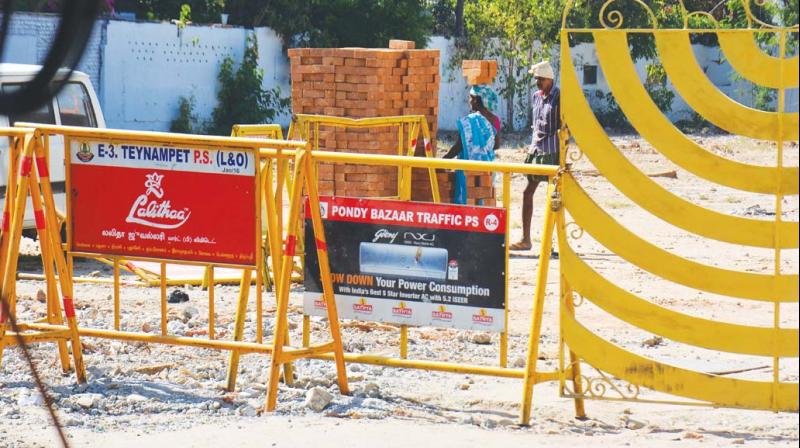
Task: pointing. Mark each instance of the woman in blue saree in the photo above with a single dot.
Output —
(478, 136)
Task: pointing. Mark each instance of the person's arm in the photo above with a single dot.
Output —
(497, 133)
(455, 150)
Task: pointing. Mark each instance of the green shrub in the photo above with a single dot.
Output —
(241, 98)
(186, 122)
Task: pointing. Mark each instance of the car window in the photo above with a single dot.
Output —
(43, 115)
(75, 106)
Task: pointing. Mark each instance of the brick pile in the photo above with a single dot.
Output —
(361, 83)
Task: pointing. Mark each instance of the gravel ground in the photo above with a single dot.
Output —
(174, 396)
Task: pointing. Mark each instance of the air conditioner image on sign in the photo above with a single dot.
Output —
(403, 261)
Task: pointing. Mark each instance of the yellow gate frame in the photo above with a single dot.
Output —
(263, 149)
(579, 279)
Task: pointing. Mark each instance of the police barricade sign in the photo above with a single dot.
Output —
(194, 204)
(411, 263)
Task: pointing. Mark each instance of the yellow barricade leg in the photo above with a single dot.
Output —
(15, 148)
(25, 148)
(163, 285)
(46, 225)
(238, 328)
(53, 305)
(303, 175)
(538, 305)
(325, 275)
(507, 206)
(273, 197)
(64, 275)
(282, 286)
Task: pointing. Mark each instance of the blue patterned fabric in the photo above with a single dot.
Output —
(477, 142)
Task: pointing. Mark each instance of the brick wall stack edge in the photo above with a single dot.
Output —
(369, 82)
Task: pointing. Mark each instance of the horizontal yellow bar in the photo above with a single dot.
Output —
(589, 396)
(15, 132)
(11, 338)
(290, 354)
(272, 131)
(164, 137)
(249, 347)
(680, 30)
(424, 162)
(543, 377)
(165, 260)
(243, 347)
(360, 122)
(427, 365)
(26, 276)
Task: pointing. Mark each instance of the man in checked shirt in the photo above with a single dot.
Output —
(544, 149)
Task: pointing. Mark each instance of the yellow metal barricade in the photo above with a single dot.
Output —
(529, 374)
(304, 179)
(277, 180)
(409, 130)
(261, 150)
(28, 178)
(581, 282)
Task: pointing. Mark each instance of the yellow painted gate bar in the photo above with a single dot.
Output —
(581, 283)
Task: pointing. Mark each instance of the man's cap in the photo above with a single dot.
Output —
(542, 70)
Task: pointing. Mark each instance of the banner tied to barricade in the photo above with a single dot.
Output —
(151, 200)
(411, 263)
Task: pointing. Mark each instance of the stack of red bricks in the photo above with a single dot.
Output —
(361, 83)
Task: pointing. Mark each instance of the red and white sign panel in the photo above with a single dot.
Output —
(176, 203)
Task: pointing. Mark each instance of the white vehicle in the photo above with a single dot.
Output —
(75, 105)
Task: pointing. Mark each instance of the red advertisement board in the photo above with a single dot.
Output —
(190, 204)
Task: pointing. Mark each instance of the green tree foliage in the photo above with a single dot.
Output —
(337, 23)
(310, 23)
(202, 11)
(443, 14)
(54, 6)
(241, 97)
(186, 122)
